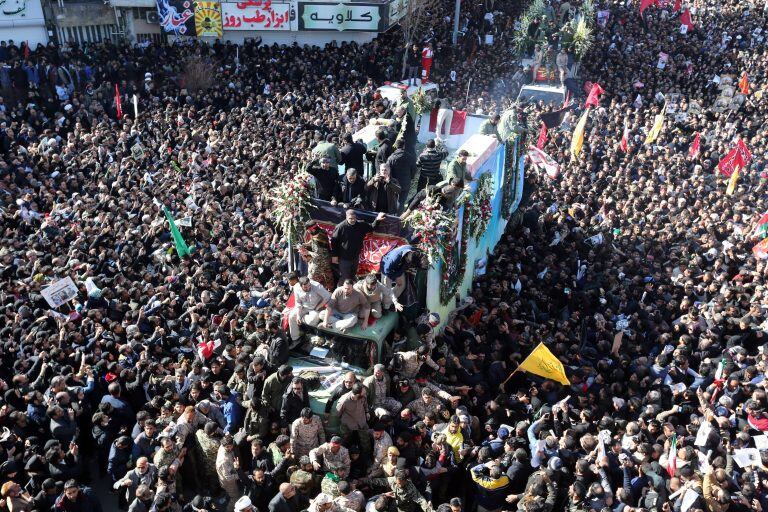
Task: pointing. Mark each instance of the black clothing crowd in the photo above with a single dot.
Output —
(166, 376)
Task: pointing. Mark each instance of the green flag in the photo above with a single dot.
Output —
(181, 245)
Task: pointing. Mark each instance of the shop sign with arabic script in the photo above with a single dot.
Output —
(342, 16)
(256, 15)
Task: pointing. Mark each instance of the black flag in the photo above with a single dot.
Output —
(553, 119)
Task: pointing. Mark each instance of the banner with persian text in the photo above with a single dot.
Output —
(256, 15)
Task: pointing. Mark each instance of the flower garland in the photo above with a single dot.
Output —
(453, 271)
(291, 205)
(510, 181)
(433, 228)
(480, 206)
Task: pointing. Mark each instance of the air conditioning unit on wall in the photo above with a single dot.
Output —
(152, 17)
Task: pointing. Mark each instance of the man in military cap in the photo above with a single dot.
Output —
(305, 479)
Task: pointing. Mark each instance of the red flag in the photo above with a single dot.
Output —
(744, 152)
(118, 104)
(694, 150)
(644, 4)
(457, 123)
(744, 83)
(678, 5)
(730, 162)
(594, 95)
(624, 144)
(542, 136)
(26, 50)
(685, 19)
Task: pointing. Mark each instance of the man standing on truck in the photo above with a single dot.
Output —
(428, 164)
(561, 61)
(491, 126)
(347, 242)
(397, 262)
(458, 167)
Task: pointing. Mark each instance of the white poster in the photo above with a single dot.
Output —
(602, 18)
(663, 58)
(60, 292)
(746, 457)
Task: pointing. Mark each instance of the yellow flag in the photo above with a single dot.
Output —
(543, 363)
(577, 140)
(657, 124)
(732, 181)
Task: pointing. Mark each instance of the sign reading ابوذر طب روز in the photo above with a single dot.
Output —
(356, 17)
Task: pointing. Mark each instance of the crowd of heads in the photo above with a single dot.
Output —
(166, 377)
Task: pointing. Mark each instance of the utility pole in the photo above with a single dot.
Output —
(456, 14)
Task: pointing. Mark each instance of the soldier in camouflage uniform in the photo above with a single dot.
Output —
(331, 456)
(208, 447)
(304, 479)
(307, 432)
(330, 483)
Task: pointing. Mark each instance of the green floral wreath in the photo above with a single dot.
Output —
(291, 204)
(480, 206)
(453, 271)
(510, 182)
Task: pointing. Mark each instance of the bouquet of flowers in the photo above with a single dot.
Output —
(480, 206)
(421, 102)
(291, 205)
(433, 226)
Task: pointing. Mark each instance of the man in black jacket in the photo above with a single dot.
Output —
(294, 400)
(402, 164)
(383, 192)
(428, 164)
(352, 153)
(286, 500)
(347, 242)
(326, 178)
(349, 380)
(384, 150)
(352, 189)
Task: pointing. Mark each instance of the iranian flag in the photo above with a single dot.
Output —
(624, 144)
(543, 161)
(719, 380)
(672, 457)
(761, 230)
(720, 373)
(457, 122)
(761, 250)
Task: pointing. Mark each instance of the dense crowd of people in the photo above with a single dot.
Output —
(168, 378)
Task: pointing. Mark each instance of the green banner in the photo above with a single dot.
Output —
(354, 17)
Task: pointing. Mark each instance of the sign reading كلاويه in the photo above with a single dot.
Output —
(349, 17)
